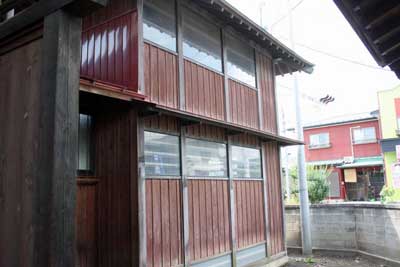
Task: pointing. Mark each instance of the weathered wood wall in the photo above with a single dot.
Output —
(208, 218)
(164, 222)
(249, 210)
(267, 91)
(20, 77)
(161, 76)
(115, 143)
(204, 91)
(274, 192)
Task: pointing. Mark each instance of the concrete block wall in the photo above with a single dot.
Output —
(370, 228)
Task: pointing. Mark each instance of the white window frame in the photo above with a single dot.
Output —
(319, 145)
(363, 141)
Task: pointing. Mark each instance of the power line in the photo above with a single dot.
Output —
(286, 15)
(341, 58)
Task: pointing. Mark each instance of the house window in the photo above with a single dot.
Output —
(364, 135)
(319, 140)
(246, 162)
(398, 123)
(205, 159)
(85, 155)
(159, 23)
(161, 153)
(241, 61)
(201, 41)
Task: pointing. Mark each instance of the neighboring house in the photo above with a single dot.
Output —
(350, 149)
(176, 158)
(389, 105)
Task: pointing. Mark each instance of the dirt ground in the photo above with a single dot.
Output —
(331, 261)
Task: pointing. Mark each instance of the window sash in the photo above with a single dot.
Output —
(205, 158)
(85, 150)
(201, 41)
(246, 162)
(162, 155)
(363, 135)
(319, 140)
(159, 23)
(240, 61)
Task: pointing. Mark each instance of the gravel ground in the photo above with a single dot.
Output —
(331, 261)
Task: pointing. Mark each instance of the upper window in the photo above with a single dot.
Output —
(159, 23)
(161, 153)
(241, 61)
(319, 140)
(246, 162)
(85, 160)
(364, 135)
(201, 41)
(205, 159)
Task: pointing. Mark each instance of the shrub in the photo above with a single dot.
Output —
(318, 188)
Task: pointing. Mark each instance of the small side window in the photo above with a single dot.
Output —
(85, 155)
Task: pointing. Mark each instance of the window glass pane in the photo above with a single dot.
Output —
(241, 63)
(246, 162)
(398, 123)
(159, 23)
(201, 41)
(161, 153)
(205, 159)
(364, 134)
(84, 142)
(321, 139)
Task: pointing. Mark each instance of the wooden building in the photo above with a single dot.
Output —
(177, 158)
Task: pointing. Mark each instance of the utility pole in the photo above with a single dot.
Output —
(302, 171)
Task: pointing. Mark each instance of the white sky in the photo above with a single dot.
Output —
(320, 25)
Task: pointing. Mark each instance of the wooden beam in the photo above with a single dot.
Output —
(141, 200)
(141, 81)
(185, 198)
(232, 213)
(181, 62)
(226, 77)
(37, 11)
(265, 200)
(390, 11)
(55, 188)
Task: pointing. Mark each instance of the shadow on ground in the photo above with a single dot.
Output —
(331, 261)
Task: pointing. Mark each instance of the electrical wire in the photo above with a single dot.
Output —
(286, 15)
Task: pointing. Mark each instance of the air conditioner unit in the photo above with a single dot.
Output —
(348, 160)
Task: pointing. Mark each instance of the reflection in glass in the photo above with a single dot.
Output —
(246, 162)
(159, 24)
(201, 41)
(241, 61)
(161, 153)
(205, 159)
(84, 143)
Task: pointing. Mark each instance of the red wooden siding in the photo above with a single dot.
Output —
(86, 220)
(204, 91)
(206, 132)
(243, 105)
(161, 76)
(115, 151)
(164, 223)
(245, 140)
(109, 51)
(162, 123)
(249, 210)
(208, 218)
(267, 90)
(275, 214)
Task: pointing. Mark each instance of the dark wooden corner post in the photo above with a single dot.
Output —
(232, 214)
(265, 199)
(55, 187)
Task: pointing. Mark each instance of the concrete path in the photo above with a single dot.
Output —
(331, 261)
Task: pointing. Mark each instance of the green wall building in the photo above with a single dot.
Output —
(389, 109)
